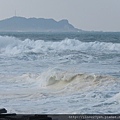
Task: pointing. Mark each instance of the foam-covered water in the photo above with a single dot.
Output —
(13, 46)
(52, 73)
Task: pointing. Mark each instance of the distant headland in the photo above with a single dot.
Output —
(22, 24)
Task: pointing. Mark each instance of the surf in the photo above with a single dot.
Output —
(15, 46)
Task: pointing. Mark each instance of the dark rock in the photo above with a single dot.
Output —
(3, 110)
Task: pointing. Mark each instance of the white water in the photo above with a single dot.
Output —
(68, 76)
(46, 92)
(13, 46)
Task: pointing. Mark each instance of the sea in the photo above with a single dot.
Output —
(60, 73)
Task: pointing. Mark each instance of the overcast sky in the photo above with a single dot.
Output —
(100, 15)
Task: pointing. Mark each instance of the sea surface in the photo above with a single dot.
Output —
(55, 73)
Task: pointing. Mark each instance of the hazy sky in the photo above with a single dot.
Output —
(84, 14)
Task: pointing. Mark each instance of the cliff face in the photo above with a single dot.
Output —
(36, 25)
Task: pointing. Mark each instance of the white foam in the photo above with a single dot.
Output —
(11, 45)
(115, 98)
(57, 80)
(66, 81)
(56, 88)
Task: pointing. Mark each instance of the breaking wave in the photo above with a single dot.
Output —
(14, 46)
(73, 82)
(62, 87)
(60, 80)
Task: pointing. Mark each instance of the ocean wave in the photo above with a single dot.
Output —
(14, 46)
(52, 86)
(56, 80)
(73, 81)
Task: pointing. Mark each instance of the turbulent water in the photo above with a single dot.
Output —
(60, 72)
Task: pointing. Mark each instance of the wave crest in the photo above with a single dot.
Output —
(72, 82)
(13, 46)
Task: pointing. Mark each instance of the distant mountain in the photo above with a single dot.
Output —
(22, 24)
